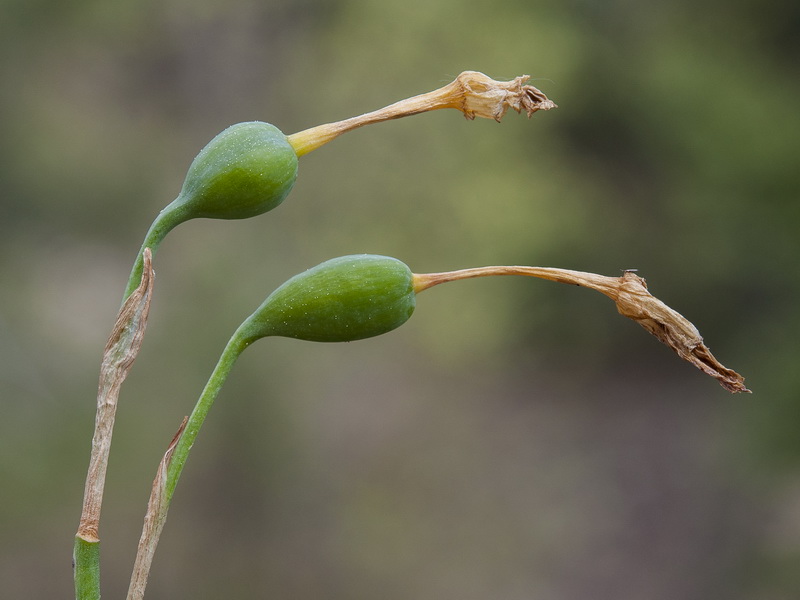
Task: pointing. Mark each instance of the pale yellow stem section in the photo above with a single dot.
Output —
(630, 294)
(473, 93)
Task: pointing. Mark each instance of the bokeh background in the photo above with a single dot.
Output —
(516, 439)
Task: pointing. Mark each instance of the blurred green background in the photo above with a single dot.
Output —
(516, 439)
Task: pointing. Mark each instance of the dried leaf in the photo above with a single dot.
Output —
(120, 352)
(155, 517)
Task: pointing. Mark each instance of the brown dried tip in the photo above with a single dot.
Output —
(635, 302)
(630, 294)
(484, 97)
(154, 521)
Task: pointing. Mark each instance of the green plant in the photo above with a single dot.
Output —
(249, 169)
(245, 171)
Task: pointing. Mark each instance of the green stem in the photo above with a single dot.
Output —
(233, 349)
(86, 558)
(175, 460)
(169, 218)
(118, 356)
(86, 555)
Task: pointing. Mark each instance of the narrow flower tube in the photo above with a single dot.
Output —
(633, 300)
(473, 93)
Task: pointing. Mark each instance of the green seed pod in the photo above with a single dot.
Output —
(245, 171)
(341, 300)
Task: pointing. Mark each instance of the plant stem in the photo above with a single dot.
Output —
(120, 352)
(233, 349)
(601, 283)
(118, 357)
(169, 218)
(86, 556)
(173, 463)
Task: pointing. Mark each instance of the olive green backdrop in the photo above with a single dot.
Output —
(516, 439)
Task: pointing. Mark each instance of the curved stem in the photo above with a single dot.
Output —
(174, 460)
(120, 352)
(601, 283)
(169, 218)
(233, 349)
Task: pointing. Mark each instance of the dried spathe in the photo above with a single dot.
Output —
(633, 300)
(676, 331)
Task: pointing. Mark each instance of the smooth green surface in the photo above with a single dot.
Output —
(86, 563)
(215, 382)
(245, 171)
(341, 300)
(167, 220)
